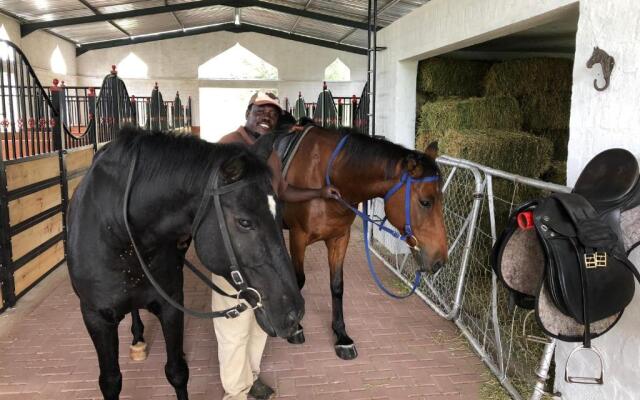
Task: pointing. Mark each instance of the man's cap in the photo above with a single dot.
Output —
(264, 98)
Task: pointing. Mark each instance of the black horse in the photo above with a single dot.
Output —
(168, 181)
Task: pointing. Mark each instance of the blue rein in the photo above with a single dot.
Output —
(405, 179)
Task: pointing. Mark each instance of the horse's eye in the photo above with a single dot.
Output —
(426, 203)
(245, 223)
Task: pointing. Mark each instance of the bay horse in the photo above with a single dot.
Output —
(143, 200)
(365, 168)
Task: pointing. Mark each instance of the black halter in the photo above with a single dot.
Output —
(212, 190)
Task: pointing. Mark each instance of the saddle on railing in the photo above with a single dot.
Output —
(564, 256)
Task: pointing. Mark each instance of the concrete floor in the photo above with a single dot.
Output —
(405, 350)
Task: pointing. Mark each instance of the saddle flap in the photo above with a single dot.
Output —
(584, 264)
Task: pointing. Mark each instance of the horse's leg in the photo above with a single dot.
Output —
(298, 245)
(103, 330)
(138, 348)
(337, 248)
(176, 369)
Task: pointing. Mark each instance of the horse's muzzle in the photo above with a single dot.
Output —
(425, 263)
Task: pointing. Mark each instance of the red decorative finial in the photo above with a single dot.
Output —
(324, 85)
(92, 91)
(133, 98)
(113, 69)
(55, 81)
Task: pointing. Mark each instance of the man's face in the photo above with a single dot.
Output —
(262, 119)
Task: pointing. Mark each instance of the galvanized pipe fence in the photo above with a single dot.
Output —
(477, 203)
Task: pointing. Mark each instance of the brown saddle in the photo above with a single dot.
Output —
(564, 257)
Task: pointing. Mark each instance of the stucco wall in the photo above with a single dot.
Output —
(38, 48)
(602, 120)
(174, 65)
(438, 27)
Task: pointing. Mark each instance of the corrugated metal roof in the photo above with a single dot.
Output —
(31, 11)
(87, 33)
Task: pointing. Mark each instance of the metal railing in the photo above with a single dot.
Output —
(478, 201)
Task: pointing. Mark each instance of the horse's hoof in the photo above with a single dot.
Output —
(138, 351)
(296, 338)
(346, 351)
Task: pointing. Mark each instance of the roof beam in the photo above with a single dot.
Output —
(97, 12)
(28, 28)
(380, 11)
(229, 27)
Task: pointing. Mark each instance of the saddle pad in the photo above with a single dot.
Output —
(555, 324)
(522, 262)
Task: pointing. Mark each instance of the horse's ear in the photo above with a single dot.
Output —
(232, 169)
(432, 150)
(414, 168)
(263, 147)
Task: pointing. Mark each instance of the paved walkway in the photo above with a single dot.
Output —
(405, 350)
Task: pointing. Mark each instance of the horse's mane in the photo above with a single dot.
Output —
(366, 150)
(169, 154)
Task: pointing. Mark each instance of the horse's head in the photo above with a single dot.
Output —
(596, 56)
(257, 242)
(419, 216)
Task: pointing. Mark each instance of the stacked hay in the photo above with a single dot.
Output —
(478, 112)
(514, 151)
(441, 77)
(542, 87)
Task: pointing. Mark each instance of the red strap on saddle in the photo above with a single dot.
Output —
(525, 220)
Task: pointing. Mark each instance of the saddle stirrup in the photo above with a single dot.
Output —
(585, 380)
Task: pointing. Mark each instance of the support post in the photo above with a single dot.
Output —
(93, 124)
(57, 99)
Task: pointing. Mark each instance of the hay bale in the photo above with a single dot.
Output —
(557, 173)
(512, 151)
(560, 140)
(474, 113)
(524, 77)
(449, 77)
(544, 111)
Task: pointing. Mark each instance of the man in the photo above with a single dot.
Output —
(241, 341)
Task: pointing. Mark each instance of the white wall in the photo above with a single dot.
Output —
(602, 120)
(438, 27)
(38, 48)
(173, 63)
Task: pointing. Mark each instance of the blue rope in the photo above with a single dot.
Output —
(374, 275)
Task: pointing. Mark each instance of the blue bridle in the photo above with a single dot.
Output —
(405, 179)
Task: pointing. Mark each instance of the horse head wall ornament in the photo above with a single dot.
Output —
(607, 62)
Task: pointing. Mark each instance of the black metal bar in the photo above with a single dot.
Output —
(40, 279)
(35, 220)
(28, 28)
(34, 187)
(97, 12)
(17, 264)
(6, 268)
(373, 50)
(57, 100)
(217, 28)
(4, 114)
